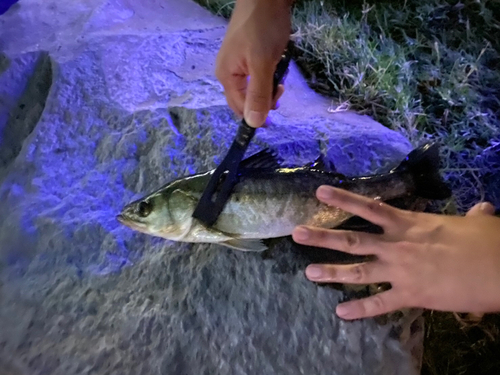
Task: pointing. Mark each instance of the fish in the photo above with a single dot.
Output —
(270, 200)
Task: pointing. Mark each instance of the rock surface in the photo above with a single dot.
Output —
(102, 101)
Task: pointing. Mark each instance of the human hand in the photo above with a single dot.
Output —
(440, 262)
(257, 35)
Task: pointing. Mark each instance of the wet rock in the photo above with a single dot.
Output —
(102, 101)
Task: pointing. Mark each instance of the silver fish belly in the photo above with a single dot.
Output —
(266, 205)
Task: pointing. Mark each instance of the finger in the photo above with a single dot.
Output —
(234, 90)
(266, 123)
(351, 242)
(378, 304)
(235, 101)
(484, 208)
(258, 99)
(373, 210)
(234, 81)
(362, 273)
(279, 92)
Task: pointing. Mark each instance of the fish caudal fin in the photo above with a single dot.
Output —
(423, 165)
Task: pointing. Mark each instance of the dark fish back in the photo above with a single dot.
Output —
(285, 181)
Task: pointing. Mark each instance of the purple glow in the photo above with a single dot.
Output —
(6, 4)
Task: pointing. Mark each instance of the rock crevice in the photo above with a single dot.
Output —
(25, 111)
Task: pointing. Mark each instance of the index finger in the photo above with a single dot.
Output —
(373, 210)
(234, 90)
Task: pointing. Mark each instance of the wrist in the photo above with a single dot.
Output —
(267, 3)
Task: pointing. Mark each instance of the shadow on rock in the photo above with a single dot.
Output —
(291, 258)
(25, 116)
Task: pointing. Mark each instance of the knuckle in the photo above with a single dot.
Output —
(358, 273)
(380, 208)
(352, 240)
(321, 235)
(374, 205)
(329, 273)
(376, 305)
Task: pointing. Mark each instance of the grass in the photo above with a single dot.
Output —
(431, 70)
(428, 69)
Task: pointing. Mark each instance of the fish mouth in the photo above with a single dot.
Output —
(123, 219)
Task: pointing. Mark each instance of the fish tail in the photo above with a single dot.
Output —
(423, 165)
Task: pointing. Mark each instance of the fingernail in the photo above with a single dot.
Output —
(344, 311)
(277, 105)
(314, 272)
(301, 233)
(325, 192)
(255, 119)
(485, 207)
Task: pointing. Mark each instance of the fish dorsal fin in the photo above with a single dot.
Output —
(262, 160)
(321, 165)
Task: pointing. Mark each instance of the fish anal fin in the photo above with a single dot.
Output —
(245, 244)
(358, 224)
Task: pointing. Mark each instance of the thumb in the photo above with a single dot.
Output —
(483, 208)
(259, 94)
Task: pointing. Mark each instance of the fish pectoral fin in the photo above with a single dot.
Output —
(245, 245)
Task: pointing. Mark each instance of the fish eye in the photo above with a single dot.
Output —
(144, 208)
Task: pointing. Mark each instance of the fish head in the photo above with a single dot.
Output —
(145, 215)
(165, 214)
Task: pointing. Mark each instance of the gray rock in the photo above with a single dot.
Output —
(103, 101)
